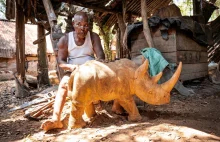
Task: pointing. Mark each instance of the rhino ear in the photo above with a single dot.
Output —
(157, 77)
(142, 70)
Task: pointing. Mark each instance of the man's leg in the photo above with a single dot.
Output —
(60, 100)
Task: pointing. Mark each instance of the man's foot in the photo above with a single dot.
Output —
(51, 124)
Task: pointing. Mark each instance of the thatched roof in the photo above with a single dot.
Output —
(7, 39)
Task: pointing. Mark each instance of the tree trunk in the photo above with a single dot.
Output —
(146, 29)
(42, 78)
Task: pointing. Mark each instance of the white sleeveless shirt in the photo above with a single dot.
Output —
(80, 54)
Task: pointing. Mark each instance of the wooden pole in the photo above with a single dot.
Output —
(43, 78)
(20, 51)
(54, 29)
(122, 28)
(50, 12)
(197, 7)
(146, 29)
(118, 43)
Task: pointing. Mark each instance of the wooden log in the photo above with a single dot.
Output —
(146, 29)
(39, 111)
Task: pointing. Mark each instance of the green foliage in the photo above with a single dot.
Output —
(216, 13)
(106, 36)
(186, 6)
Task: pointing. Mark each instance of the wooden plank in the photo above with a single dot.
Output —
(185, 43)
(170, 57)
(3, 64)
(194, 68)
(161, 44)
(28, 58)
(195, 75)
(165, 45)
(8, 66)
(192, 56)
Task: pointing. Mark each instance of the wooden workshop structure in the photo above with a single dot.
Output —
(106, 13)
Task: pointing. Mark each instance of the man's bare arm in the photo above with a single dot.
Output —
(97, 46)
(63, 54)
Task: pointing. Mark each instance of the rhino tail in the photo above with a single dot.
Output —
(70, 83)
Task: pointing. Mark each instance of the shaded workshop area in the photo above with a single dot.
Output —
(29, 74)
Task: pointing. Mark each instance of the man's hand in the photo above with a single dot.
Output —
(68, 67)
(101, 60)
(72, 67)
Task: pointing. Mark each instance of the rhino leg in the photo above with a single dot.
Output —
(76, 120)
(117, 108)
(130, 106)
(90, 111)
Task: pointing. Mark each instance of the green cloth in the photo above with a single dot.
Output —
(157, 63)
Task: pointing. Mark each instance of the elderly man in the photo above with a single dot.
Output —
(75, 48)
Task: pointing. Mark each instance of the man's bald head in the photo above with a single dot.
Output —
(81, 16)
(81, 24)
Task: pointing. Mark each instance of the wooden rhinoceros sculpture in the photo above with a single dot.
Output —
(118, 80)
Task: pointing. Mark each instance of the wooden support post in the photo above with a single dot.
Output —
(50, 12)
(146, 28)
(43, 78)
(20, 51)
(118, 44)
(54, 29)
(122, 28)
(197, 8)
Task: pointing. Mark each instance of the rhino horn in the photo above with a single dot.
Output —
(157, 77)
(168, 86)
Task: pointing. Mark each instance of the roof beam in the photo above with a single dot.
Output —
(100, 9)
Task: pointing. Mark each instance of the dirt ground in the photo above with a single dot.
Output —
(187, 118)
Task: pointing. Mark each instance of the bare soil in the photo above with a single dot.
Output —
(187, 118)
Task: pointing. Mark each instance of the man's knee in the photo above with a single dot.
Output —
(64, 83)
